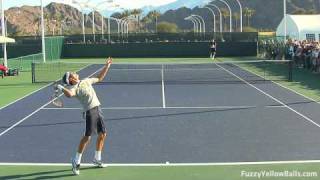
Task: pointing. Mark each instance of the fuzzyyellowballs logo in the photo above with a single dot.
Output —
(271, 173)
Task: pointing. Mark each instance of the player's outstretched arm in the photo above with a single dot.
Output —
(105, 69)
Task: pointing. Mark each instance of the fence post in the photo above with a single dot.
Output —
(33, 72)
(290, 71)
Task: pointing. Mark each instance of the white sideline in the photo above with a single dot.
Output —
(167, 164)
(25, 96)
(292, 90)
(275, 99)
(31, 93)
(34, 112)
(163, 89)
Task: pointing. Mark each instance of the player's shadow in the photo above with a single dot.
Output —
(44, 174)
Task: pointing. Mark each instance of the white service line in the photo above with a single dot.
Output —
(167, 164)
(177, 107)
(105, 108)
(163, 89)
(37, 110)
(268, 95)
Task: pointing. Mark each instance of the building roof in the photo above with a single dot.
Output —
(307, 23)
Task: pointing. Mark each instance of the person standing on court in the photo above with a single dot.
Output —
(213, 49)
(85, 93)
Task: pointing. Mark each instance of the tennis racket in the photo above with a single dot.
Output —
(55, 98)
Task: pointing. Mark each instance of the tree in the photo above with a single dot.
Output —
(248, 13)
(137, 13)
(166, 27)
(145, 21)
(155, 15)
(124, 14)
(225, 14)
(236, 16)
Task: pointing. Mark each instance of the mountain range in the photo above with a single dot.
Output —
(267, 14)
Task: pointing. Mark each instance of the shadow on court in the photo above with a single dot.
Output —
(41, 175)
(152, 116)
(45, 174)
(134, 117)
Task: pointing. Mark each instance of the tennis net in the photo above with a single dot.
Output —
(209, 73)
(23, 63)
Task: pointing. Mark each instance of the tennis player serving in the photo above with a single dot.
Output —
(84, 92)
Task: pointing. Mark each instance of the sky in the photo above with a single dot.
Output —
(127, 4)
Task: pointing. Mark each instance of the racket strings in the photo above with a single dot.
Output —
(56, 101)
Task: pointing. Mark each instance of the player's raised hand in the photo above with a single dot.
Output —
(109, 62)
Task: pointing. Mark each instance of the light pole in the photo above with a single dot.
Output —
(43, 32)
(199, 27)
(197, 22)
(285, 19)
(93, 27)
(4, 34)
(220, 15)
(102, 19)
(118, 21)
(125, 23)
(95, 8)
(81, 5)
(195, 26)
(201, 21)
(109, 25)
(241, 25)
(230, 11)
(214, 18)
(122, 24)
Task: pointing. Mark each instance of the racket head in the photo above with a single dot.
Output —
(56, 101)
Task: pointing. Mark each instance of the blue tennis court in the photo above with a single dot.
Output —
(157, 115)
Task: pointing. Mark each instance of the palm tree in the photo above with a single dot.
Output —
(225, 14)
(124, 14)
(236, 16)
(248, 13)
(137, 13)
(155, 15)
(245, 13)
(146, 20)
(251, 13)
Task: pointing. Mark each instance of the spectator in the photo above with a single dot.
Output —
(305, 54)
(4, 70)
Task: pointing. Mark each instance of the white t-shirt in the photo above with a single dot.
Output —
(85, 93)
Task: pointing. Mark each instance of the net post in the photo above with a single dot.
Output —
(290, 71)
(33, 72)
